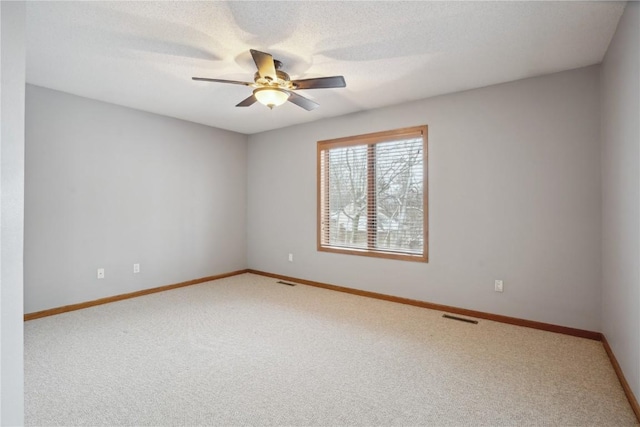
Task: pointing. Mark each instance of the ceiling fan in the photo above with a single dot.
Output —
(274, 87)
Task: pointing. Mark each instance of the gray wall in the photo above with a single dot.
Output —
(12, 78)
(514, 194)
(108, 186)
(621, 195)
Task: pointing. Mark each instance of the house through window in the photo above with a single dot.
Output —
(372, 194)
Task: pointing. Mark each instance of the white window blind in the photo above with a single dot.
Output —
(372, 194)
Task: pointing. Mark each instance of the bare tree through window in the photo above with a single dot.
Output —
(371, 194)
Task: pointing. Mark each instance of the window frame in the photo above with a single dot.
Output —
(370, 140)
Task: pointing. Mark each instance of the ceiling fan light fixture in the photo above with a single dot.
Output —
(271, 97)
(274, 87)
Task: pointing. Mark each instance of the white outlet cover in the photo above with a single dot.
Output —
(499, 286)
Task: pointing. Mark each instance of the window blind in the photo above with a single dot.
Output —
(371, 194)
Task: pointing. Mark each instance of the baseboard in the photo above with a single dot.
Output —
(462, 311)
(623, 381)
(80, 306)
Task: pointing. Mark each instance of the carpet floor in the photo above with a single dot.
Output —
(246, 350)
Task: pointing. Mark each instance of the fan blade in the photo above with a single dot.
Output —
(247, 102)
(235, 82)
(320, 83)
(265, 64)
(303, 102)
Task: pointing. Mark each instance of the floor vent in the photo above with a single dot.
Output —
(285, 283)
(462, 319)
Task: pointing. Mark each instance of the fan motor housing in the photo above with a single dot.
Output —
(283, 79)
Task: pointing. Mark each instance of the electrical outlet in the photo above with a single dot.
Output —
(101, 273)
(290, 257)
(499, 286)
(136, 268)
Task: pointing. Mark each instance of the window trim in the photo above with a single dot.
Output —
(371, 139)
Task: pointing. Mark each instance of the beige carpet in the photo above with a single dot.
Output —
(248, 351)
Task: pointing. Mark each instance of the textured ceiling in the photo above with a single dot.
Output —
(143, 54)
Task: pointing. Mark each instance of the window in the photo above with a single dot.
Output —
(372, 194)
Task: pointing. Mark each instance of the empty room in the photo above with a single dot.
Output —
(320, 213)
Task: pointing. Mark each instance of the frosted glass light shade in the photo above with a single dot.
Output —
(271, 97)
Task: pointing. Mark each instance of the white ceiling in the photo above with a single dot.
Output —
(143, 54)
